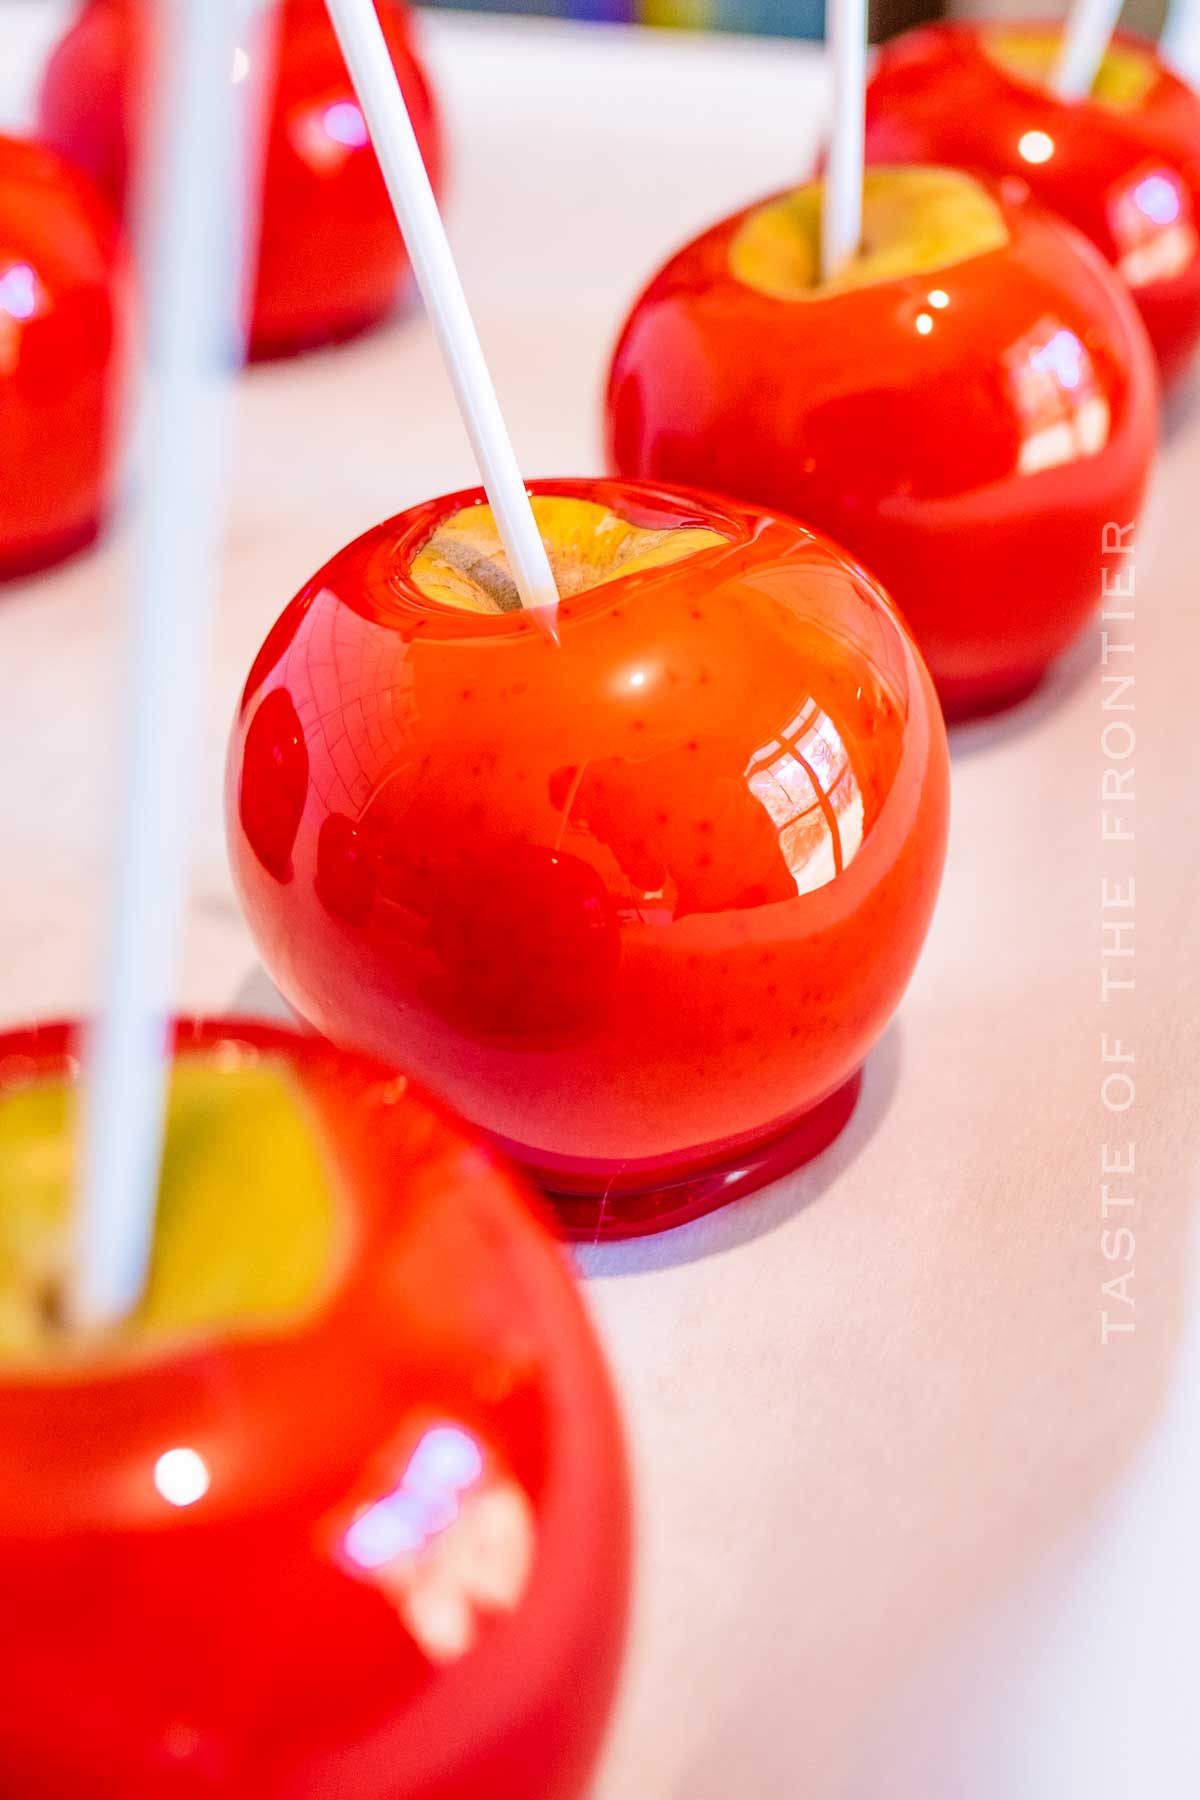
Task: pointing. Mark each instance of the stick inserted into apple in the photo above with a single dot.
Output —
(1089, 26)
(841, 211)
(194, 257)
(919, 360)
(365, 50)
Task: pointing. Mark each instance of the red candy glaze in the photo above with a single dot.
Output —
(331, 260)
(247, 1645)
(970, 449)
(64, 317)
(1128, 178)
(640, 904)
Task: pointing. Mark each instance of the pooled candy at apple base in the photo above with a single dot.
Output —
(966, 407)
(1122, 164)
(638, 903)
(342, 1507)
(331, 260)
(65, 293)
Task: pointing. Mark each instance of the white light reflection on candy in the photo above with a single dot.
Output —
(19, 291)
(346, 125)
(1036, 146)
(1158, 198)
(325, 135)
(181, 1477)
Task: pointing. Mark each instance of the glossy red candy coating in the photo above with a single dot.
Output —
(64, 318)
(1129, 178)
(331, 260)
(968, 433)
(266, 1643)
(639, 904)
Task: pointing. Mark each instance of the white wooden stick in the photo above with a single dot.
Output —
(1089, 26)
(194, 242)
(365, 49)
(841, 211)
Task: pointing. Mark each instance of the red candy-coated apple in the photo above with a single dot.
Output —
(331, 260)
(639, 903)
(1122, 165)
(64, 313)
(966, 408)
(342, 1510)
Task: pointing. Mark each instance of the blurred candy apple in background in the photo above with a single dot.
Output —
(330, 260)
(64, 321)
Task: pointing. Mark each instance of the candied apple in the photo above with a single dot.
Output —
(342, 1508)
(64, 326)
(639, 902)
(965, 407)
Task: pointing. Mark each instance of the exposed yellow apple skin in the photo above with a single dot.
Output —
(464, 563)
(1122, 82)
(250, 1228)
(916, 220)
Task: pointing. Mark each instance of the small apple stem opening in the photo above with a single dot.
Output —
(465, 565)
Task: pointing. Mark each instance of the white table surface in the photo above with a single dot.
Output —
(907, 1531)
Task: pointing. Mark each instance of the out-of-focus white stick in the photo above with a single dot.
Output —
(1180, 40)
(194, 238)
(841, 212)
(1089, 26)
(365, 49)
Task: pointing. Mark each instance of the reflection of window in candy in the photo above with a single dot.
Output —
(1062, 412)
(1152, 225)
(451, 1542)
(805, 782)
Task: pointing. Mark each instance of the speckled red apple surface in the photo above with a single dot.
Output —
(331, 260)
(965, 410)
(342, 1509)
(1123, 164)
(638, 903)
(64, 319)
